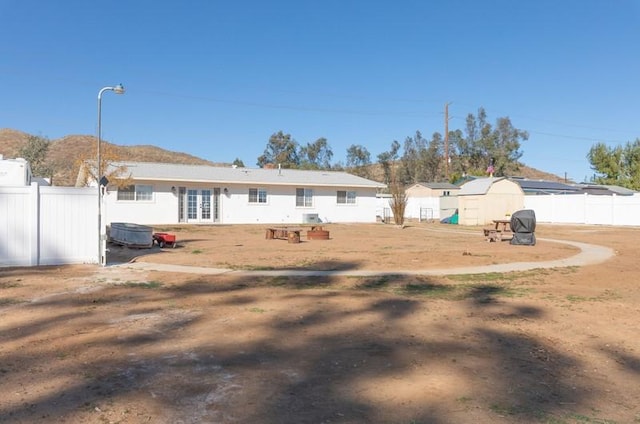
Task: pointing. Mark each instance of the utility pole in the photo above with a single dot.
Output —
(446, 141)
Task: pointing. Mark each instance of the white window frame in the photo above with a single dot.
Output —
(141, 193)
(348, 197)
(306, 199)
(260, 196)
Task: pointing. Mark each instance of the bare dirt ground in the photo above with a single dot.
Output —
(82, 344)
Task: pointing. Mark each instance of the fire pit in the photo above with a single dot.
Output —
(317, 233)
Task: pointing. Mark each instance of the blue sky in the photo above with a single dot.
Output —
(215, 79)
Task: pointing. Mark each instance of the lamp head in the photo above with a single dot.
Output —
(119, 89)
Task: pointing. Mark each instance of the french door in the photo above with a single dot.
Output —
(203, 205)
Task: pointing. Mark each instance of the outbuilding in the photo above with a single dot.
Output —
(424, 199)
(482, 200)
(14, 172)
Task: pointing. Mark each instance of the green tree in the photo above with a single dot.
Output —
(388, 161)
(619, 165)
(281, 150)
(422, 159)
(484, 145)
(432, 159)
(358, 160)
(505, 146)
(35, 152)
(316, 155)
(238, 163)
(411, 164)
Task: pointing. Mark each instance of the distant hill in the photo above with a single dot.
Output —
(66, 154)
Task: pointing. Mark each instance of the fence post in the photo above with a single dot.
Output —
(34, 224)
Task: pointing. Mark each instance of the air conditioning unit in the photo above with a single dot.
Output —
(310, 218)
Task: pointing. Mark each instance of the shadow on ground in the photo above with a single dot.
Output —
(285, 350)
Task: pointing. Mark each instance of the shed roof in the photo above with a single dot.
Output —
(478, 186)
(258, 176)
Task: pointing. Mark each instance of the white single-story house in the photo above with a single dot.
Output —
(482, 200)
(164, 193)
(423, 199)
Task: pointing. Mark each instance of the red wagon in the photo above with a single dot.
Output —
(164, 239)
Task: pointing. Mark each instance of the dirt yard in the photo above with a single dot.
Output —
(83, 344)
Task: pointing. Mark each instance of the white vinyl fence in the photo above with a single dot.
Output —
(48, 225)
(423, 208)
(585, 209)
(59, 225)
(553, 208)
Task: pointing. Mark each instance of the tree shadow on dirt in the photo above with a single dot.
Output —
(210, 350)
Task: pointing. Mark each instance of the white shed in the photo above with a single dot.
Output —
(424, 200)
(484, 199)
(14, 172)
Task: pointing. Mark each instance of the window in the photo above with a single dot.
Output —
(304, 197)
(346, 197)
(138, 192)
(257, 195)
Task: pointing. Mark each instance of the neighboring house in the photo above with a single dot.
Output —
(163, 193)
(604, 190)
(542, 187)
(484, 199)
(424, 200)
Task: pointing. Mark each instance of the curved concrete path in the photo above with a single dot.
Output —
(590, 254)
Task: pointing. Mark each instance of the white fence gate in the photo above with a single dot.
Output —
(48, 225)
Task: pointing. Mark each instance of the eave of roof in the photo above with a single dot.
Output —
(255, 176)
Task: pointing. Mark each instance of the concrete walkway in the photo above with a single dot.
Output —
(590, 254)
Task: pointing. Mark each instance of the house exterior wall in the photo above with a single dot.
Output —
(418, 190)
(162, 209)
(234, 206)
(281, 206)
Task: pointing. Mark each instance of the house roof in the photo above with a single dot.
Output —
(258, 176)
(478, 186)
(438, 186)
(602, 189)
(544, 187)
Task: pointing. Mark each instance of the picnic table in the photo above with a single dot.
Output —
(501, 230)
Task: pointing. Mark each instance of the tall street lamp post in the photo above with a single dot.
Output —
(102, 259)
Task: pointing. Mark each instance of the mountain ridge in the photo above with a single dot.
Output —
(67, 153)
